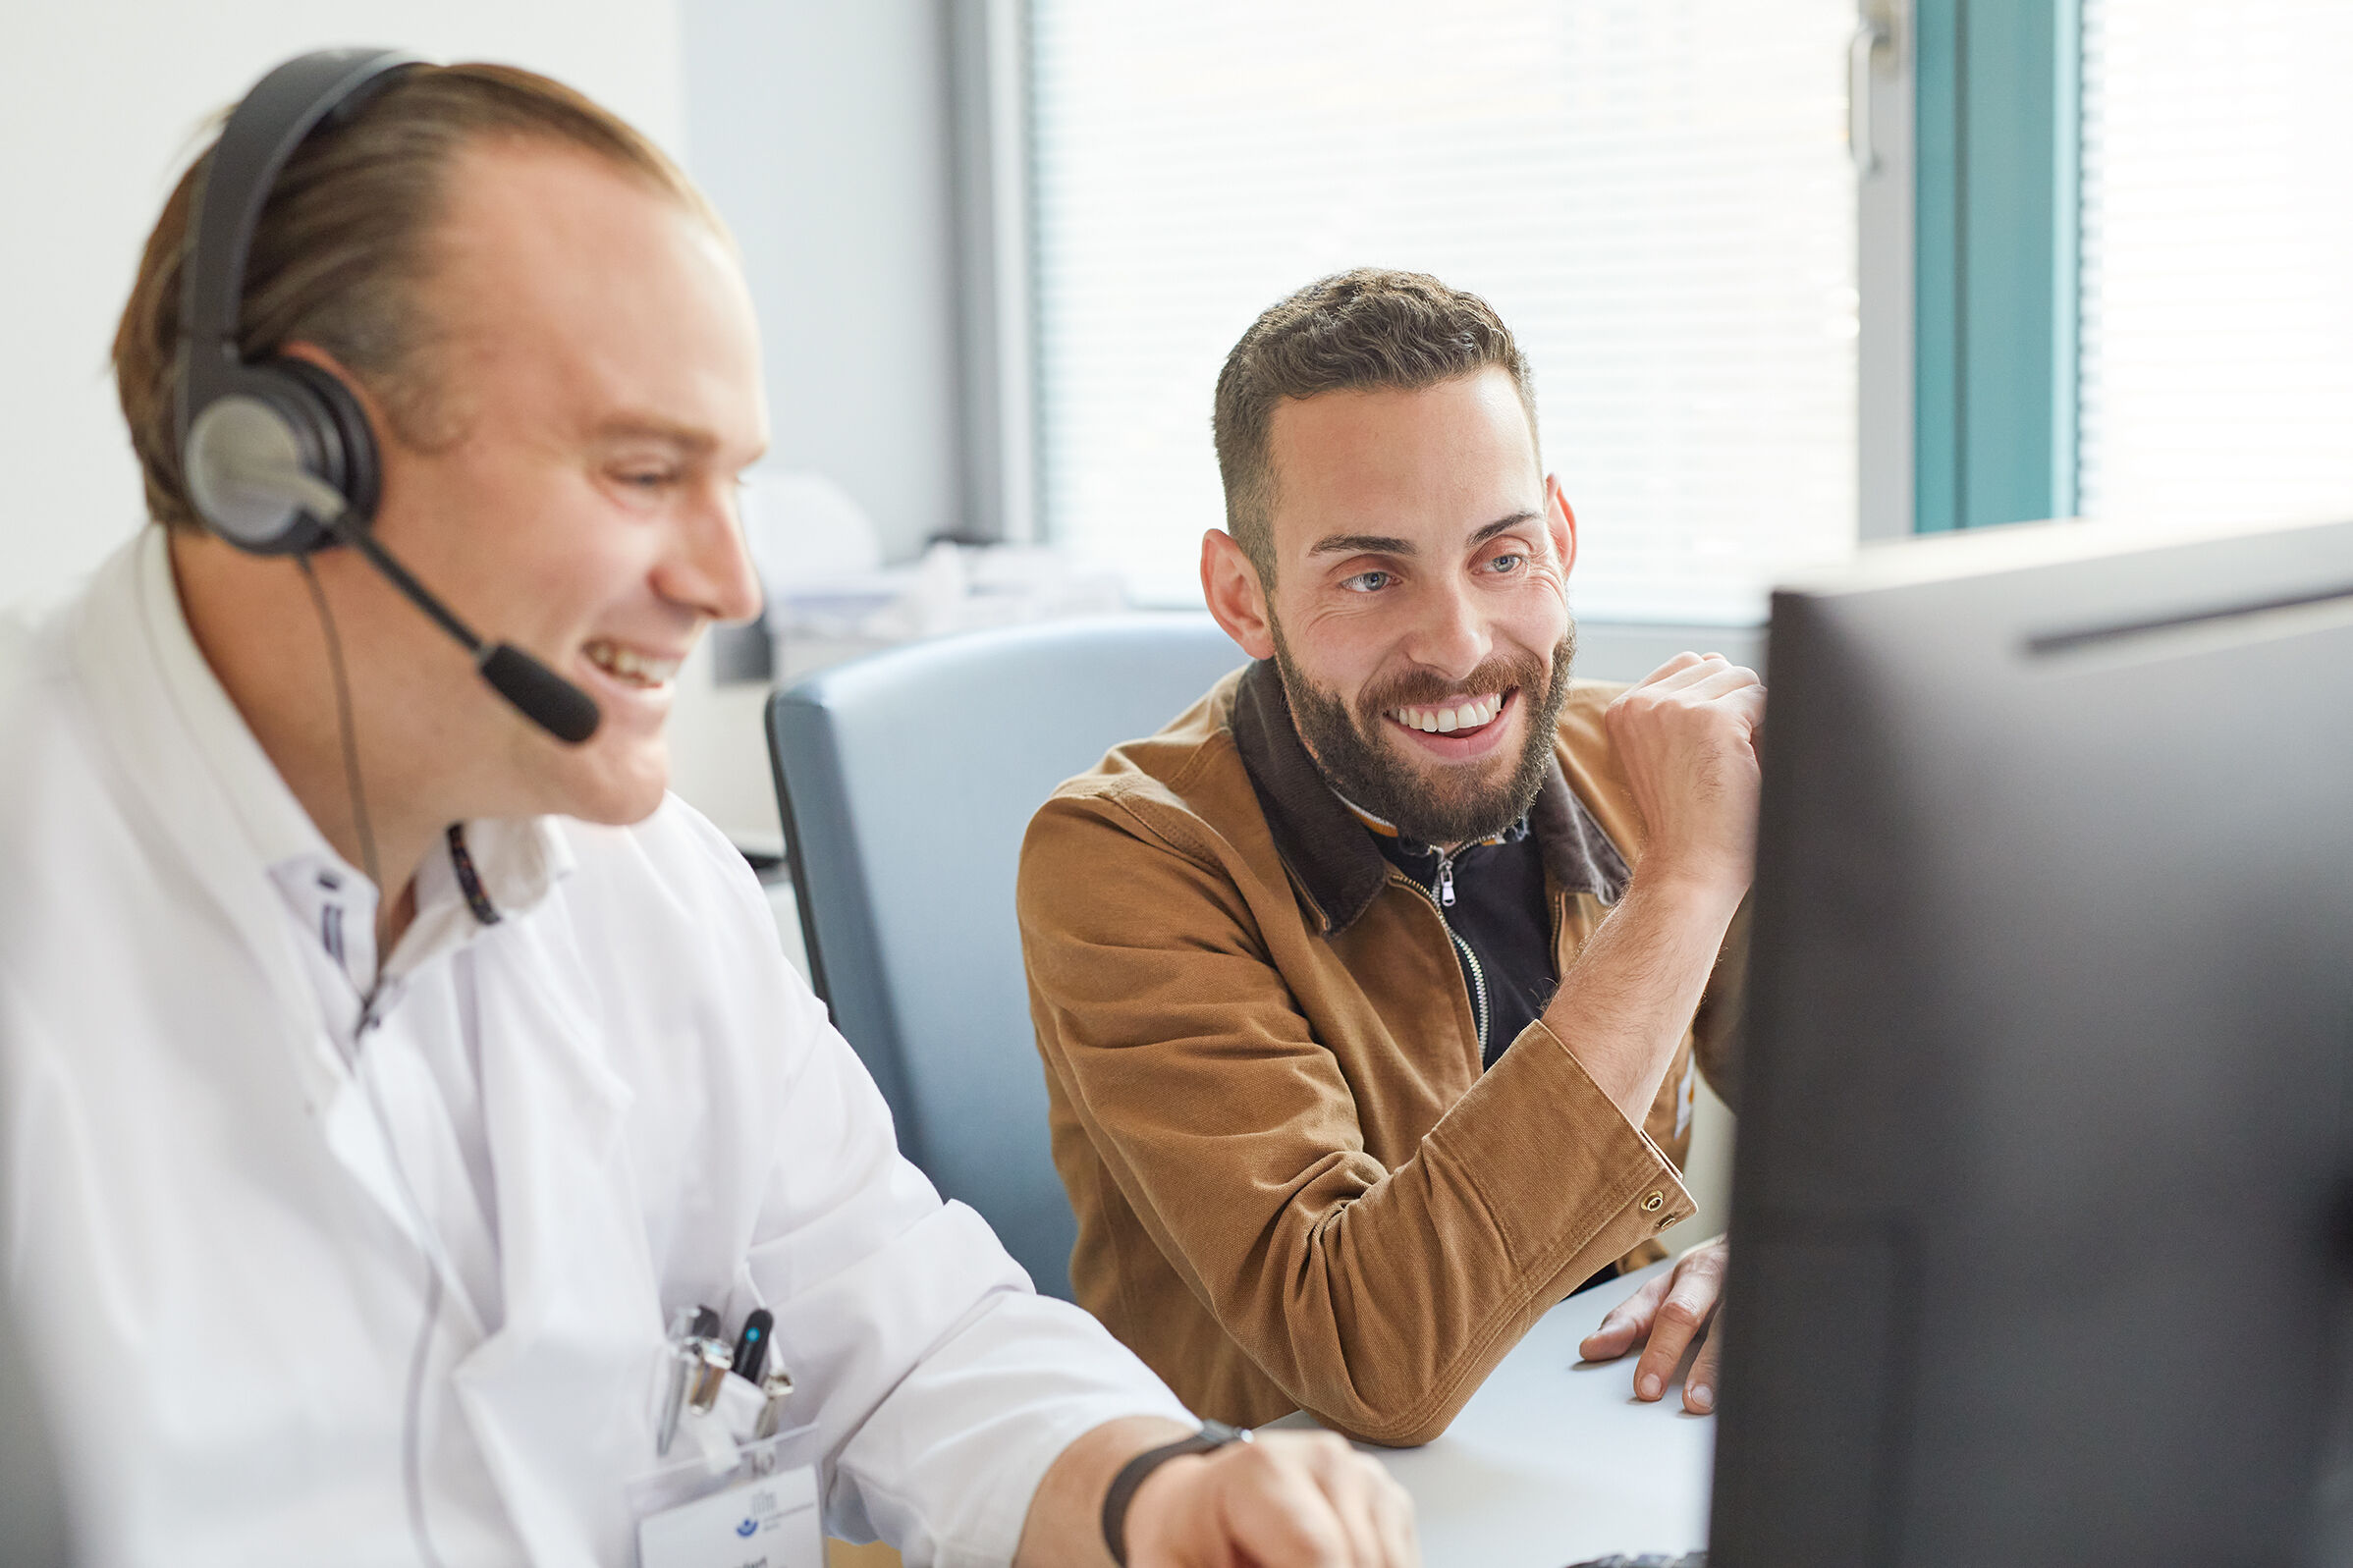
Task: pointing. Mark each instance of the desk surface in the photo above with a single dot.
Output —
(1552, 1461)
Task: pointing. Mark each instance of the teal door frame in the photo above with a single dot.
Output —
(1999, 138)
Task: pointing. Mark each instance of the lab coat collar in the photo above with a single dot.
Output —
(135, 642)
(209, 732)
(195, 780)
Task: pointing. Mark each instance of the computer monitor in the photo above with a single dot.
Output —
(2039, 1224)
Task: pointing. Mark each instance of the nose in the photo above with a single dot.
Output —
(1449, 635)
(708, 568)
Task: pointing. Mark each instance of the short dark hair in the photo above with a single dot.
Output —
(344, 246)
(1353, 331)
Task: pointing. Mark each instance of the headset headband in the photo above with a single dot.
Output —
(263, 132)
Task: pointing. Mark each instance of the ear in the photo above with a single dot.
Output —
(379, 424)
(311, 353)
(1230, 583)
(1561, 523)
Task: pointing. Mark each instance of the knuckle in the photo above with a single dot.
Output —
(1249, 1461)
(1680, 1314)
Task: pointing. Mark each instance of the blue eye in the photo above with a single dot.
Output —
(1501, 564)
(1366, 582)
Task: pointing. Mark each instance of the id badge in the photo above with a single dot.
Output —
(771, 1522)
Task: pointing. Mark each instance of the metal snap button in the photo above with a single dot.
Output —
(1650, 1205)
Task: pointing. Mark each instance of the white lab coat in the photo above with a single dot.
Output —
(226, 1286)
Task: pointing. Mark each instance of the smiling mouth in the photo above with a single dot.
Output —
(631, 666)
(1463, 716)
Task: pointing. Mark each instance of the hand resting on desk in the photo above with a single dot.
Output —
(1669, 1312)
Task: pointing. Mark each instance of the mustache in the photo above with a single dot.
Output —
(1426, 688)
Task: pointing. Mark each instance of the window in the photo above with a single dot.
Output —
(2216, 354)
(1657, 195)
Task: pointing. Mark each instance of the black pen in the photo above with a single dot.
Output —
(752, 1346)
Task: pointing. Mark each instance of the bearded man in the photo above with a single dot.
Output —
(1370, 989)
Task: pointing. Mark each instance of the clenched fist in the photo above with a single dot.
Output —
(1687, 736)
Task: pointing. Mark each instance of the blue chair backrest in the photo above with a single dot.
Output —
(907, 782)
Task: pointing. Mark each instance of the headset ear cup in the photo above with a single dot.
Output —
(280, 413)
(345, 443)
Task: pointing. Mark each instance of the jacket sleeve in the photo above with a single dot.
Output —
(1378, 1299)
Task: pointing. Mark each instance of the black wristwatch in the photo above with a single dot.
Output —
(1213, 1435)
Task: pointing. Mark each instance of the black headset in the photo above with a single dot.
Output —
(277, 454)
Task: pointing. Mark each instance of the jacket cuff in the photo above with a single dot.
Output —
(1606, 1188)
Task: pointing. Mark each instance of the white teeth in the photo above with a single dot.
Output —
(630, 664)
(1444, 721)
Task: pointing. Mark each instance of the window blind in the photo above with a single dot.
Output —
(1656, 194)
(2216, 351)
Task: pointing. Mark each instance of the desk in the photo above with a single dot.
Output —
(1552, 1462)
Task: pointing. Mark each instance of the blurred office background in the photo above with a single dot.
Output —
(1793, 276)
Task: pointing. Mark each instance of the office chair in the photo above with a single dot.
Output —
(907, 781)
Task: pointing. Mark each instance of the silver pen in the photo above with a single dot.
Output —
(778, 1387)
(710, 1361)
(682, 1329)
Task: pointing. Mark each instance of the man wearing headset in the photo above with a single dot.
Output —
(391, 1067)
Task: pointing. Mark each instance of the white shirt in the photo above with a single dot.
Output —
(614, 1102)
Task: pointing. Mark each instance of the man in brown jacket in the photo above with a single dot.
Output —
(1370, 989)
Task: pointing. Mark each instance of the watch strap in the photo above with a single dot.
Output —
(1213, 1435)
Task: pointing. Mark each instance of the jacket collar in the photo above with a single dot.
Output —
(1331, 854)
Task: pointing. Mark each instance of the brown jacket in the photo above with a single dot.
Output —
(1294, 1186)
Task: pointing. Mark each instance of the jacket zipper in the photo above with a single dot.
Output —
(1441, 893)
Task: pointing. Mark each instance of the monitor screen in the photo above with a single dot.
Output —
(2040, 1210)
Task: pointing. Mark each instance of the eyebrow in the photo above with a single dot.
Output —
(649, 428)
(1381, 544)
(687, 440)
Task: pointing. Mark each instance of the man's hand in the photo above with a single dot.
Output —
(1669, 1312)
(1284, 1498)
(1687, 736)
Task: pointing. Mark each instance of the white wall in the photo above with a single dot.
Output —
(821, 130)
(101, 103)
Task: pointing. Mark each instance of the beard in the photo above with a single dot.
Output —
(1432, 803)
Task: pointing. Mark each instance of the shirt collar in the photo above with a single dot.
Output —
(1382, 827)
(1323, 840)
(511, 862)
